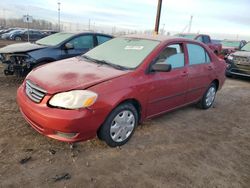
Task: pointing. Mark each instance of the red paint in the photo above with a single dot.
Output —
(156, 93)
(217, 48)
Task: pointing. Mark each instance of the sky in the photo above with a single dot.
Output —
(221, 18)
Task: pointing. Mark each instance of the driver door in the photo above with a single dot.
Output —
(168, 89)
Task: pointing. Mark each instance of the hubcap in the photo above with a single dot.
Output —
(210, 96)
(122, 126)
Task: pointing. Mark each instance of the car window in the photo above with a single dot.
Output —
(200, 39)
(83, 42)
(173, 55)
(54, 39)
(197, 54)
(101, 39)
(123, 51)
(36, 32)
(206, 39)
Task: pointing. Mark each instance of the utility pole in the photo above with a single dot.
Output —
(4, 18)
(28, 27)
(190, 24)
(162, 30)
(89, 24)
(158, 16)
(59, 16)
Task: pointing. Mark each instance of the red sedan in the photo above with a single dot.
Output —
(113, 87)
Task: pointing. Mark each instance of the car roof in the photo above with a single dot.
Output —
(160, 38)
(150, 37)
(86, 32)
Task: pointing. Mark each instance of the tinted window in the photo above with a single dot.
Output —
(83, 42)
(197, 54)
(173, 55)
(36, 32)
(101, 39)
(206, 39)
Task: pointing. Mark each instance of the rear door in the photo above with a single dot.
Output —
(168, 89)
(200, 71)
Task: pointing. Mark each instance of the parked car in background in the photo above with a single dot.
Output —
(216, 47)
(230, 46)
(6, 30)
(238, 63)
(23, 36)
(10, 34)
(20, 58)
(110, 89)
(48, 32)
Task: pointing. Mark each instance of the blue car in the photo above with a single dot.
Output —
(21, 58)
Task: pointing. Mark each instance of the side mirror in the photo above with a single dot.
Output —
(161, 67)
(69, 46)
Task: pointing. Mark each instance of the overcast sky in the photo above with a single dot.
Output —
(209, 16)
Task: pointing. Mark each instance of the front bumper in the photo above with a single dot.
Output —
(60, 123)
(239, 70)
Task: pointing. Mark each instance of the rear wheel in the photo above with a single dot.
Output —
(209, 97)
(119, 125)
(18, 38)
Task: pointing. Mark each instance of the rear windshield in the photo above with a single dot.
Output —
(126, 52)
(54, 39)
(246, 47)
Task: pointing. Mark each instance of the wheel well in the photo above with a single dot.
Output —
(216, 82)
(135, 103)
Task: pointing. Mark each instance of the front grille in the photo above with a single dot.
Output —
(34, 92)
(242, 60)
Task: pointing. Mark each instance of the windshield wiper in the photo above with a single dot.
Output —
(40, 44)
(112, 64)
(88, 58)
(104, 62)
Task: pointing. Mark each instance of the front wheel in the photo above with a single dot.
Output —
(119, 125)
(209, 97)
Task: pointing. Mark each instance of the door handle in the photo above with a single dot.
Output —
(210, 67)
(184, 73)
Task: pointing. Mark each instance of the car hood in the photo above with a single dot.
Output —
(21, 47)
(73, 73)
(229, 48)
(242, 53)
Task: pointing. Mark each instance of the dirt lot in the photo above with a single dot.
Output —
(6, 42)
(186, 148)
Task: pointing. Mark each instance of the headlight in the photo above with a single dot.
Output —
(73, 99)
(230, 57)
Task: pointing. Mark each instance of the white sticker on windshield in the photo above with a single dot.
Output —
(134, 47)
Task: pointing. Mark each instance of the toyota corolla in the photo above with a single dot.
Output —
(113, 87)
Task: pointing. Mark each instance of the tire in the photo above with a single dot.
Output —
(119, 126)
(208, 97)
(18, 38)
(229, 75)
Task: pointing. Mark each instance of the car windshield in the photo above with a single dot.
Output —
(188, 36)
(54, 39)
(246, 47)
(124, 52)
(234, 44)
